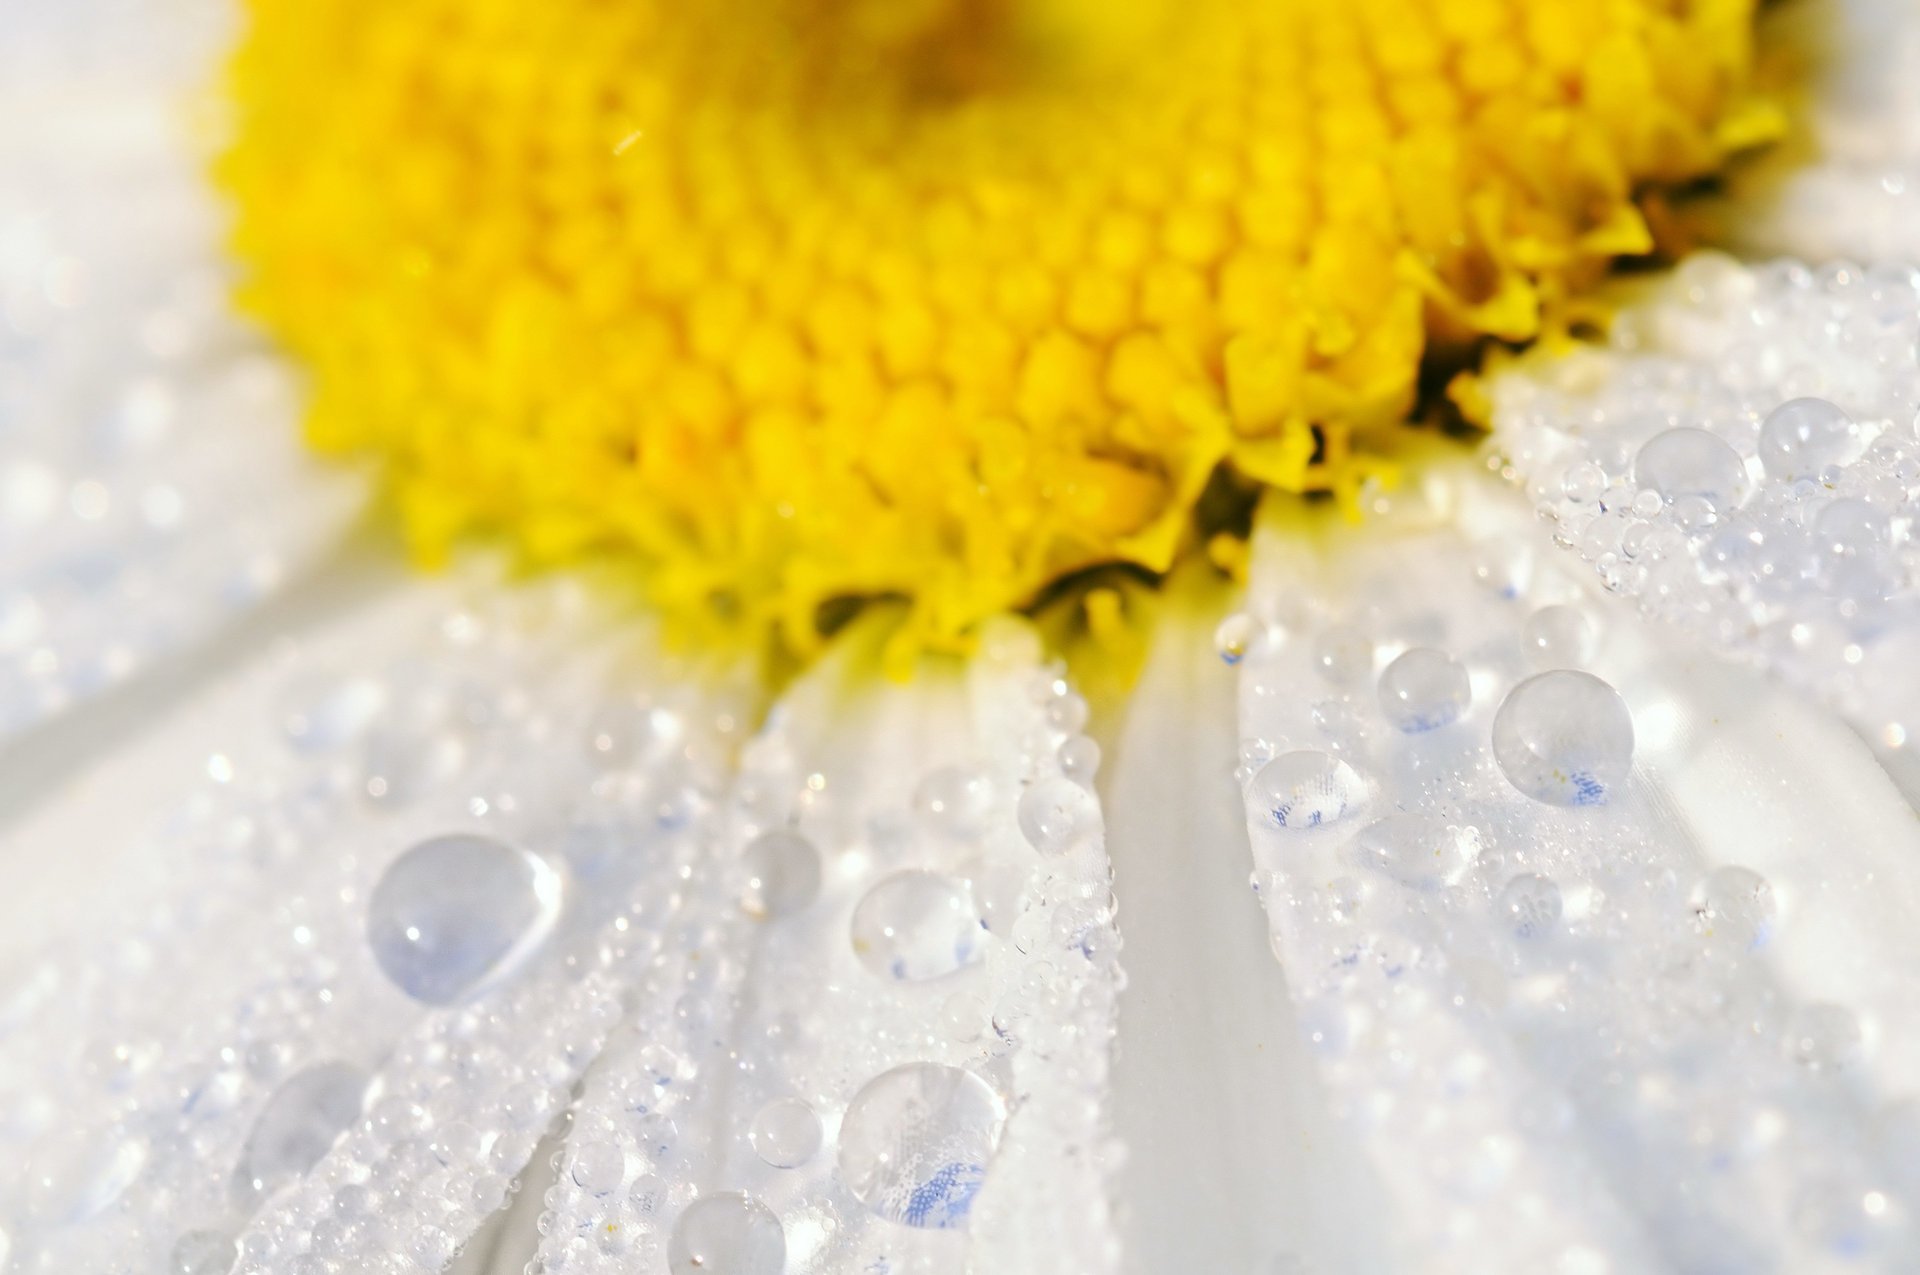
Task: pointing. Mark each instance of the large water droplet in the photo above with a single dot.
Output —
(785, 1132)
(1424, 689)
(1565, 738)
(457, 912)
(1803, 436)
(783, 874)
(1684, 462)
(296, 1127)
(915, 1143)
(729, 1233)
(917, 925)
(1423, 851)
(1305, 789)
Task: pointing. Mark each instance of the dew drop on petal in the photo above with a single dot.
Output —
(1236, 636)
(1304, 789)
(1688, 462)
(1735, 906)
(1056, 813)
(1564, 738)
(459, 911)
(785, 1132)
(915, 1143)
(1422, 851)
(1530, 906)
(1558, 636)
(1803, 436)
(1343, 654)
(916, 925)
(728, 1233)
(783, 874)
(1424, 689)
(956, 802)
(296, 1127)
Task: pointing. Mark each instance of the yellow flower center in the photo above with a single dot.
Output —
(806, 300)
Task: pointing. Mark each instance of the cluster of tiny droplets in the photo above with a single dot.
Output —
(140, 507)
(1744, 462)
(1553, 1033)
(907, 1028)
(437, 898)
(238, 1077)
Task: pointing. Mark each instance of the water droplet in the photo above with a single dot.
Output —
(783, 874)
(1734, 906)
(1424, 689)
(917, 925)
(1343, 654)
(456, 912)
(786, 1133)
(1558, 637)
(1422, 851)
(1305, 789)
(1565, 738)
(1803, 436)
(956, 802)
(1068, 713)
(1079, 758)
(1056, 813)
(1530, 905)
(81, 1179)
(729, 1233)
(1684, 462)
(1236, 636)
(597, 1168)
(202, 1253)
(296, 1127)
(916, 1140)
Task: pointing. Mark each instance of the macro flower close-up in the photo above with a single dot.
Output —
(960, 637)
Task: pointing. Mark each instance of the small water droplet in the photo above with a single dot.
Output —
(1802, 437)
(783, 874)
(1530, 905)
(1688, 462)
(1422, 851)
(1054, 814)
(1734, 906)
(1424, 689)
(1558, 637)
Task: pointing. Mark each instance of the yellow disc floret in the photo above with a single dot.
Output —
(798, 301)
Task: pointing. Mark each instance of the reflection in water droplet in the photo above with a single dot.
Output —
(1305, 789)
(727, 1234)
(1564, 738)
(458, 911)
(917, 925)
(916, 1141)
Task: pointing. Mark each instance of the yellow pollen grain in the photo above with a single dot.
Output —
(807, 300)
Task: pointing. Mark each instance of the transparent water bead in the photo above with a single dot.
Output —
(1079, 758)
(1803, 436)
(1558, 636)
(459, 911)
(916, 925)
(1530, 906)
(915, 1143)
(1235, 636)
(1422, 851)
(956, 802)
(598, 1167)
(729, 1233)
(82, 1180)
(1056, 813)
(783, 874)
(1735, 906)
(296, 1127)
(1305, 789)
(1424, 689)
(1688, 462)
(786, 1132)
(1564, 737)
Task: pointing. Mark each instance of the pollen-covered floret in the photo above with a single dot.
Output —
(802, 300)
